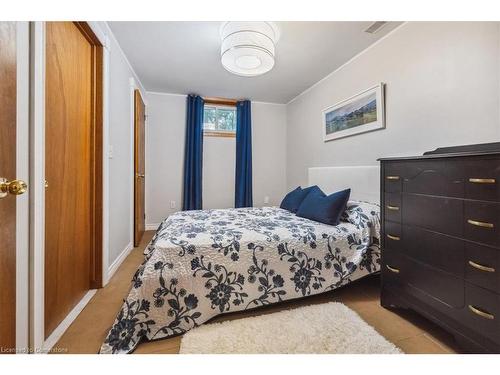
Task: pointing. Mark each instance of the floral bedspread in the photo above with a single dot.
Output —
(203, 263)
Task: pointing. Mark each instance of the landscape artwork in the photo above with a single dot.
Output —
(358, 114)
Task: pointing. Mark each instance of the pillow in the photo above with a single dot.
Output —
(326, 209)
(293, 199)
(288, 203)
(361, 214)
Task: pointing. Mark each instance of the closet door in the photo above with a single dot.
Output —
(73, 160)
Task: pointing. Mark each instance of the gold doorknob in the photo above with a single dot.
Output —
(15, 187)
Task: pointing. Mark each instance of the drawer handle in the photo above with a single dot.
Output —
(481, 313)
(392, 269)
(481, 267)
(392, 177)
(393, 208)
(482, 180)
(480, 224)
(394, 238)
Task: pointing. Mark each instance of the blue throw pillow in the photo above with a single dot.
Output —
(326, 209)
(293, 199)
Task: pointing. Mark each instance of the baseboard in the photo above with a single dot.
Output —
(63, 326)
(118, 261)
(152, 226)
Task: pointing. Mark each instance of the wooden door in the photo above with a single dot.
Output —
(139, 168)
(7, 171)
(73, 156)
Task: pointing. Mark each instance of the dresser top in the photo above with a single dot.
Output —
(455, 151)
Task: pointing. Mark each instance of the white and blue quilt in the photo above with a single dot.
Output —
(204, 263)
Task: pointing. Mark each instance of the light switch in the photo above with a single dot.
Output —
(172, 204)
(266, 200)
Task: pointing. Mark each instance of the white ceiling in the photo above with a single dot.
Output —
(183, 57)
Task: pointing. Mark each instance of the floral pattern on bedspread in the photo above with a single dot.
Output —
(200, 264)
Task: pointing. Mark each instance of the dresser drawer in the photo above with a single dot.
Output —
(437, 250)
(482, 266)
(392, 266)
(392, 236)
(481, 312)
(431, 286)
(393, 207)
(393, 177)
(439, 214)
(482, 222)
(482, 179)
(441, 177)
(440, 289)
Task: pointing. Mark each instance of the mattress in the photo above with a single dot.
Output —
(203, 263)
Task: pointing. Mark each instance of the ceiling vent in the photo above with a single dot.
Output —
(375, 27)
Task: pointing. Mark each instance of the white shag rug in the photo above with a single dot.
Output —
(329, 328)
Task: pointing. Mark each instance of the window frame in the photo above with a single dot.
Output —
(219, 103)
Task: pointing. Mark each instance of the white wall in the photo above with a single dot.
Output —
(442, 89)
(120, 139)
(219, 171)
(165, 134)
(268, 153)
(165, 158)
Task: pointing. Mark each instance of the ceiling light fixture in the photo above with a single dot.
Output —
(248, 48)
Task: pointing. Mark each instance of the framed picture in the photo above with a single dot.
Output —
(360, 113)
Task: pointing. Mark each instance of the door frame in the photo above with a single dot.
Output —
(96, 30)
(23, 201)
(97, 156)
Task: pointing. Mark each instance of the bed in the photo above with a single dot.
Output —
(203, 263)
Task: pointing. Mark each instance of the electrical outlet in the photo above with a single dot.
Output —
(172, 204)
(266, 200)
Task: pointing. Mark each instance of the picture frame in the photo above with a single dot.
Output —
(360, 113)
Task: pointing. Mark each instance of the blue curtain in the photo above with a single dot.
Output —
(193, 154)
(243, 189)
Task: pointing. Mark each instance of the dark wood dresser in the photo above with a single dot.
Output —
(441, 240)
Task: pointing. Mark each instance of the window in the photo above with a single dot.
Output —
(219, 120)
